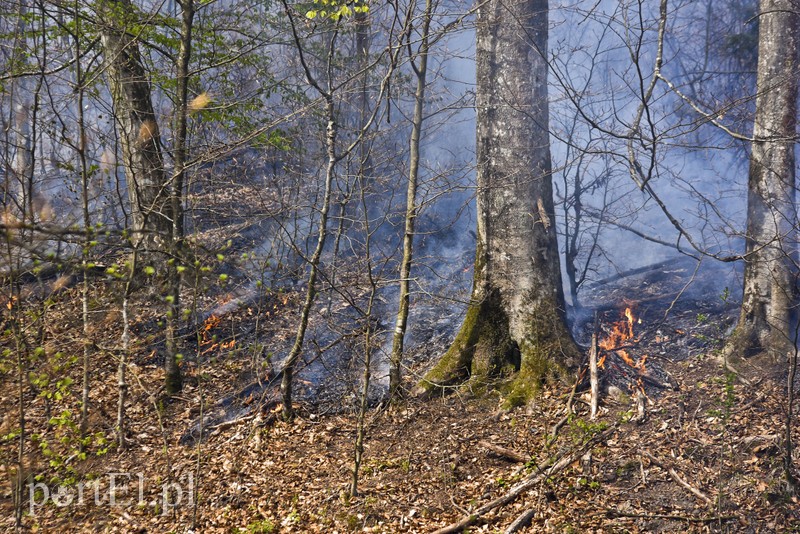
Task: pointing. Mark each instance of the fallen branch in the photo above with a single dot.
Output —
(211, 430)
(677, 517)
(748, 441)
(508, 454)
(522, 521)
(678, 479)
(534, 479)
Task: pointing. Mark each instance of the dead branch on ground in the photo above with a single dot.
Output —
(542, 473)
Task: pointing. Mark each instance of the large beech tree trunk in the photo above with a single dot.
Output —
(516, 321)
(148, 185)
(768, 314)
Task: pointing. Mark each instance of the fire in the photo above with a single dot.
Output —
(210, 323)
(208, 340)
(621, 332)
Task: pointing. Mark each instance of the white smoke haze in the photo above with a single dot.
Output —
(602, 58)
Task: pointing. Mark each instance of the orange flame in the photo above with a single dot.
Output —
(622, 331)
(211, 322)
(208, 340)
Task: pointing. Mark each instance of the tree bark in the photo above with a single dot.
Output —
(173, 378)
(419, 64)
(516, 320)
(770, 294)
(148, 185)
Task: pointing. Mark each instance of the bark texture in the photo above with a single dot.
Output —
(148, 185)
(768, 315)
(419, 65)
(516, 321)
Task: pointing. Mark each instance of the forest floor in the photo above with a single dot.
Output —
(707, 457)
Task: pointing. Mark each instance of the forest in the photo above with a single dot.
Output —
(404, 266)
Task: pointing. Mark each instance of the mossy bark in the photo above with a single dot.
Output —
(515, 329)
(548, 353)
(484, 353)
(480, 350)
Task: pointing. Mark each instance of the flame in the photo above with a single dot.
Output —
(208, 340)
(210, 323)
(622, 331)
(629, 317)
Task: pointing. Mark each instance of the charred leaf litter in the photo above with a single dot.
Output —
(669, 312)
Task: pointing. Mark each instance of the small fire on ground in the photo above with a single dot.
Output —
(620, 336)
(208, 341)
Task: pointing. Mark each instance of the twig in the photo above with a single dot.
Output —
(641, 406)
(509, 454)
(561, 422)
(532, 480)
(228, 424)
(457, 507)
(678, 479)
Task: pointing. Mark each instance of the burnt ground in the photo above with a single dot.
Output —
(708, 456)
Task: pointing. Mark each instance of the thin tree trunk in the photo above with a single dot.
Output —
(172, 369)
(311, 290)
(87, 225)
(327, 94)
(358, 452)
(421, 72)
(122, 370)
(19, 134)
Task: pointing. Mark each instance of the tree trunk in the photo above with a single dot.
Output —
(173, 378)
(148, 186)
(419, 64)
(770, 293)
(516, 320)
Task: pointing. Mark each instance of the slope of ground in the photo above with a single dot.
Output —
(707, 457)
